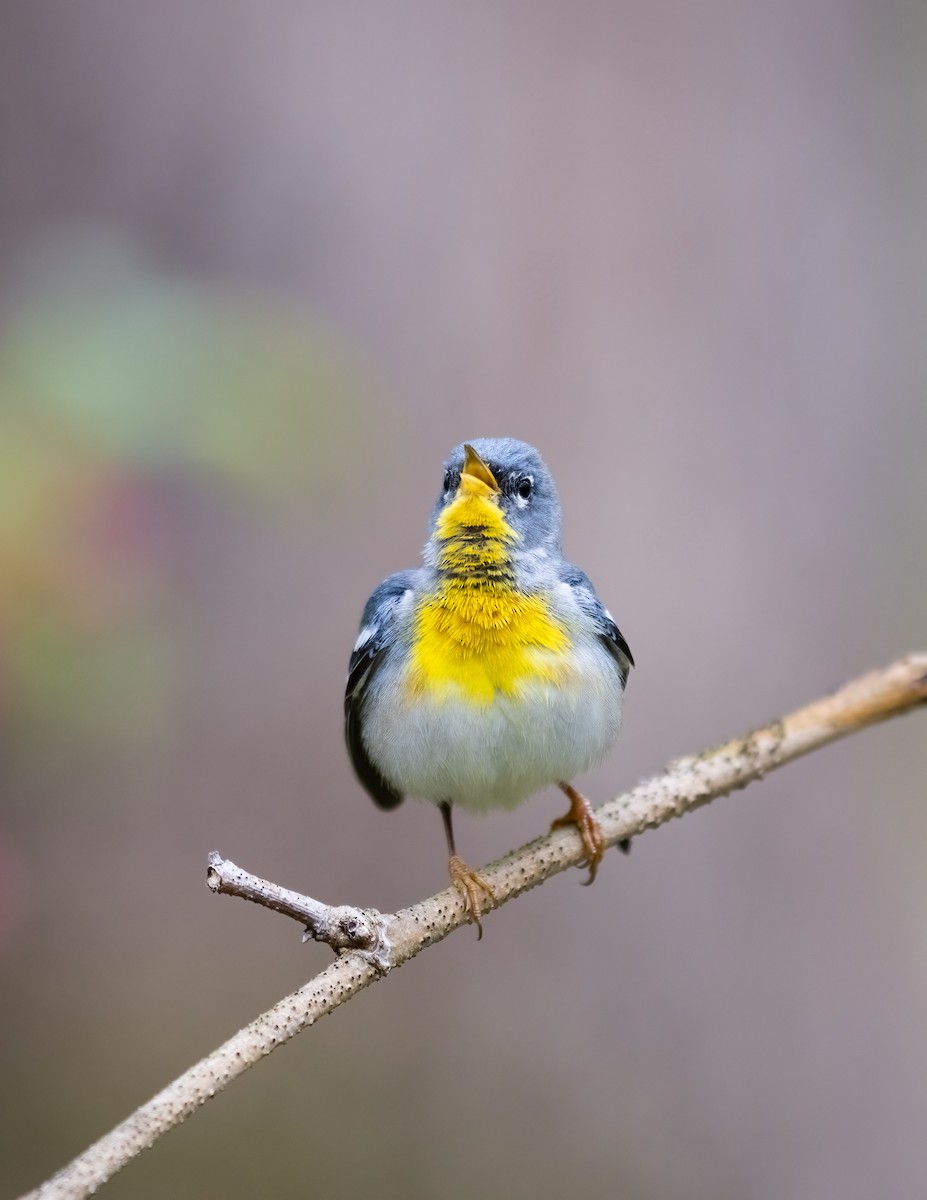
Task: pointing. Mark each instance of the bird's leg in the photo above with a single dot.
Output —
(473, 888)
(582, 816)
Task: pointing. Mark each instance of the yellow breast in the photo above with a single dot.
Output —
(476, 635)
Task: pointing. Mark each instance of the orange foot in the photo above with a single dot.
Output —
(582, 816)
(473, 889)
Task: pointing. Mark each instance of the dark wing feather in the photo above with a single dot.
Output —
(366, 660)
(616, 645)
(609, 632)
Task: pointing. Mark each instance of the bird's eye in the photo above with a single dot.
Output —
(448, 477)
(525, 487)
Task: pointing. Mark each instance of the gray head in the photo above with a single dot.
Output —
(527, 495)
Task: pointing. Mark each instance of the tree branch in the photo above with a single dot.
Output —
(343, 927)
(369, 943)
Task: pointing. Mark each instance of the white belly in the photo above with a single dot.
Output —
(495, 755)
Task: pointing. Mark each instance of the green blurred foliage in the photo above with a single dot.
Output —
(119, 389)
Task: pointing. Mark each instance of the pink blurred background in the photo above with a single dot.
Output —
(263, 265)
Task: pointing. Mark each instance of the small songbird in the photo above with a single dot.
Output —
(492, 670)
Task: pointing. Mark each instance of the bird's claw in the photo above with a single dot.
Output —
(473, 890)
(590, 831)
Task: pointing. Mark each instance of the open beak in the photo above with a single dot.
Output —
(475, 477)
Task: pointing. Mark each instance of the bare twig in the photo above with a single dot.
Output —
(391, 939)
(343, 927)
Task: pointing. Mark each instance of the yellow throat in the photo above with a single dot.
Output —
(476, 635)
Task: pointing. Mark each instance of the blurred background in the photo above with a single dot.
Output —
(263, 264)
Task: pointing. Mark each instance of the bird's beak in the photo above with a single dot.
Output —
(476, 479)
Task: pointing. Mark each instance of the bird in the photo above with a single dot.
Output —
(493, 669)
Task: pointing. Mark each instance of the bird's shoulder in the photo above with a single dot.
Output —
(378, 623)
(380, 608)
(586, 598)
(377, 632)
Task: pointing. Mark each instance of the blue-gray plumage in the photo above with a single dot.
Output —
(410, 735)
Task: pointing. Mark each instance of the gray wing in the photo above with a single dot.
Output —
(609, 633)
(372, 646)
